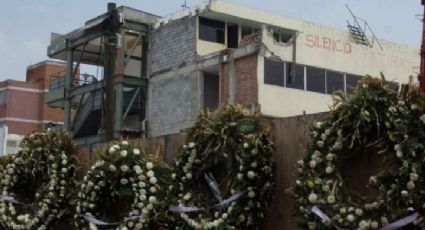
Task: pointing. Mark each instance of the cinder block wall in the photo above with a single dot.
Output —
(173, 45)
(174, 81)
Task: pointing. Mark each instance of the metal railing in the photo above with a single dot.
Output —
(57, 80)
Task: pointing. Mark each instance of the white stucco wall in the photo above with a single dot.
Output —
(278, 101)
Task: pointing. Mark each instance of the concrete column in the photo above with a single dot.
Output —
(232, 80)
(67, 87)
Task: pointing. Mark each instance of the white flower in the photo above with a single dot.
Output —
(399, 154)
(187, 196)
(149, 165)
(251, 174)
(173, 176)
(329, 157)
(152, 199)
(422, 118)
(124, 181)
(240, 176)
(318, 124)
(245, 145)
(153, 180)
(413, 176)
(329, 170)
(254, 164)
(124, 142)
(404, 193)
(320, 144)
(313, 164)
(337, 145)
(152, 189)
(124, 168)
(137, 168)
(374, 224)
(189, 176)
(150, 173)
(124, 153)
(312, 198)
(254, 152)
(251, 194)
(64, 170)
(136, 151)
(384, 220)
(191, 145)
(93, 226)
(359, 212)
(112, 168)
(350, 217)
(410, 185)
(331, 199)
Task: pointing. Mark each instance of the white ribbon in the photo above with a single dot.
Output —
(9, 199)
(185, 209)
(393, 226)
(91, 219)
(213, 186)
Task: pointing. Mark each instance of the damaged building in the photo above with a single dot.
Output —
(159, 72)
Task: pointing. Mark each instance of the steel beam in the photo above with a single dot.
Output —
(68, 85)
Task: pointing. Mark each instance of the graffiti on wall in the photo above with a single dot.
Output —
(328, 43)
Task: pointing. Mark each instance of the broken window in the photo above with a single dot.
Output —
(274, 72)
(283, 35)
(315, 79)
(248, 30)
(211, 30)
(334, 81)
(294, 76)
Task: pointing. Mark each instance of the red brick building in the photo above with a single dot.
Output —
(22, 105)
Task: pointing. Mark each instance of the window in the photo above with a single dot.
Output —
(211, 30)
(315, 79)
(232, 36)
(334, 81)
(351, 81)
(211, 91)
(2, 98)
(274, 72)
(247, 30)
(12, 146)
(294, 77)
(284, 36)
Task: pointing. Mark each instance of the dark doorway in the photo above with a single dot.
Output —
(211, 91)
(232, 36)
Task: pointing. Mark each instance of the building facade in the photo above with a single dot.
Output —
(22, 105)
(217, 53)
(284, 66)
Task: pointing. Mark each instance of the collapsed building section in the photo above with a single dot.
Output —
(99, 108)
(212, 54)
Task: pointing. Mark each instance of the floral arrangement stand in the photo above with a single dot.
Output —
(392, 123)
(124, 189)
(38, 181)
(223, 176)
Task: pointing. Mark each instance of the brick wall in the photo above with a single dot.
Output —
(246, 81)
(173, 45)
(42, 72)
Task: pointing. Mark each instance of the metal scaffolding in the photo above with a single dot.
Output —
(98, 110)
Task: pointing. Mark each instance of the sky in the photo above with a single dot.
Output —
(25, 25)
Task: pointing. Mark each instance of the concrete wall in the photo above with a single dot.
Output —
(330, 49)
(174, 101)
(173, 45)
